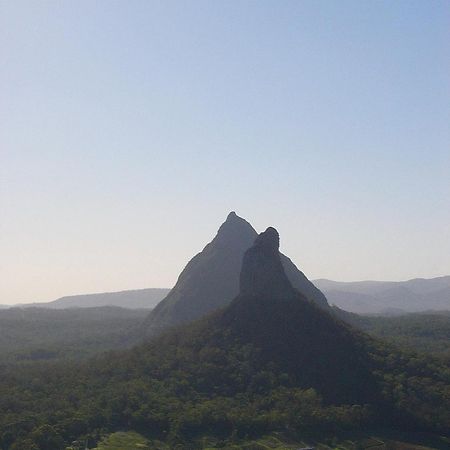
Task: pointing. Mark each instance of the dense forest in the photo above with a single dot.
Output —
(203, 379)
(272, 363)
(422, 332)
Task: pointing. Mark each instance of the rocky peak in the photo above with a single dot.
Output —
(262, 271)
(269, 241)
(235, 230)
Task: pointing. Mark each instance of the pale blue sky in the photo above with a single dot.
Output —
(129, 129)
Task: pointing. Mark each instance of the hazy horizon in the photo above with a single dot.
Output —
(170, 287)
(130, 130)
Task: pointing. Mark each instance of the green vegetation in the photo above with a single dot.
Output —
(124, 441)
(425, 332)
(220, 383)
(283, 441)
(230, 379)
(38, 334)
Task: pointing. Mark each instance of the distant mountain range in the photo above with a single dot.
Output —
(388, 297)
(361, 297)
(135, 299)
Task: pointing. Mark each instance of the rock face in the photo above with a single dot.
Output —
(262, 272)
(211, 279)
(302, 284)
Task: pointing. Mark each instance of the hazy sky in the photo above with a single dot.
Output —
(129, 130)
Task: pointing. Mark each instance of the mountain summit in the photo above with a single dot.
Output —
(211, 279)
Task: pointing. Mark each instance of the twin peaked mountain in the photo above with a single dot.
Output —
(211, 279)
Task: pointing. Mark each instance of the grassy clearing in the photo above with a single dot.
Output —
(124, 441)
(276, 441)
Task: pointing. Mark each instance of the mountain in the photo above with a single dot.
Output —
(133, 299)
(269, 361)
(294, 334)
(211, 279)
(255, 354)
(388, 297)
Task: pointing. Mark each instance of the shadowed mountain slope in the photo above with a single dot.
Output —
(211, 279)
(292, 333)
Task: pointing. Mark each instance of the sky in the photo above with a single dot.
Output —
(129, 130)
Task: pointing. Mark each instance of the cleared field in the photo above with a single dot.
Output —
(125, 441)
(276, 441)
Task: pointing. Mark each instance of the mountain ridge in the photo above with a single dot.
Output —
(132, 299)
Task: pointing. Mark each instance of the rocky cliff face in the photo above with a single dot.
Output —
(209, 280)
(262, 272)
